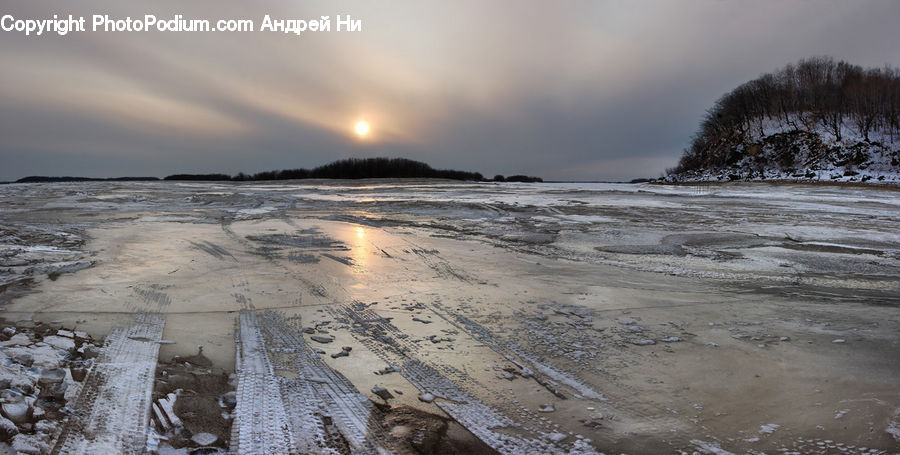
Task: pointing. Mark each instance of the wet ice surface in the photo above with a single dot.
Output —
(568, 317)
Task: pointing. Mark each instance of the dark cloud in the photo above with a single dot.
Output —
(574, 90)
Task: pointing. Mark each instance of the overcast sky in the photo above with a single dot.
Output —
(593, 90)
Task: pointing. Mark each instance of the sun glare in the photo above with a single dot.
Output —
(362, 128)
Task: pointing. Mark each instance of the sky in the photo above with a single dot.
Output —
(570, 90)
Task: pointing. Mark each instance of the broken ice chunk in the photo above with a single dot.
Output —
(204, 439)
(383, 393)
(59, 342)
(557, 437)
(345, 351)
(642, 341)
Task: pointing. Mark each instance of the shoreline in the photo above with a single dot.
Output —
(783, 182)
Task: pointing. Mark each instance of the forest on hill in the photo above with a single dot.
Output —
(816, 119)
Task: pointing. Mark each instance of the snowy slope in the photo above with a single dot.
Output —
(798, 150)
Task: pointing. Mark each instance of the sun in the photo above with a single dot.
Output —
(362, 128)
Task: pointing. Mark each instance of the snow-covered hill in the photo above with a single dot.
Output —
(816, 120)
(799, 150)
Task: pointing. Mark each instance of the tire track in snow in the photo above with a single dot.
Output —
(434, 261)
(112, 411)
(556, 380)
(314, 289)
(212, 249)
(335, 395)
(545, 374)
(614, 401)
(153, 296)
(260, 422)
(318, 411)
(491, 425)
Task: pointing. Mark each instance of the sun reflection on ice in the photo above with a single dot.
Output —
(360, 251)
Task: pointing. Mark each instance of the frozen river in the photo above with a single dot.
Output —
(499, 318)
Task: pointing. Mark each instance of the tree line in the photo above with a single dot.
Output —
(353, 168)
(46, 179)
(817, 93)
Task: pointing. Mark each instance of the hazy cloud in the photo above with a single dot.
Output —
(570, 90)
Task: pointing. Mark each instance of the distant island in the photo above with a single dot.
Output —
(44, 179)
(353, 168)
(816, 120)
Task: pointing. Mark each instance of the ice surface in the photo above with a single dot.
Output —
(490, 299)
